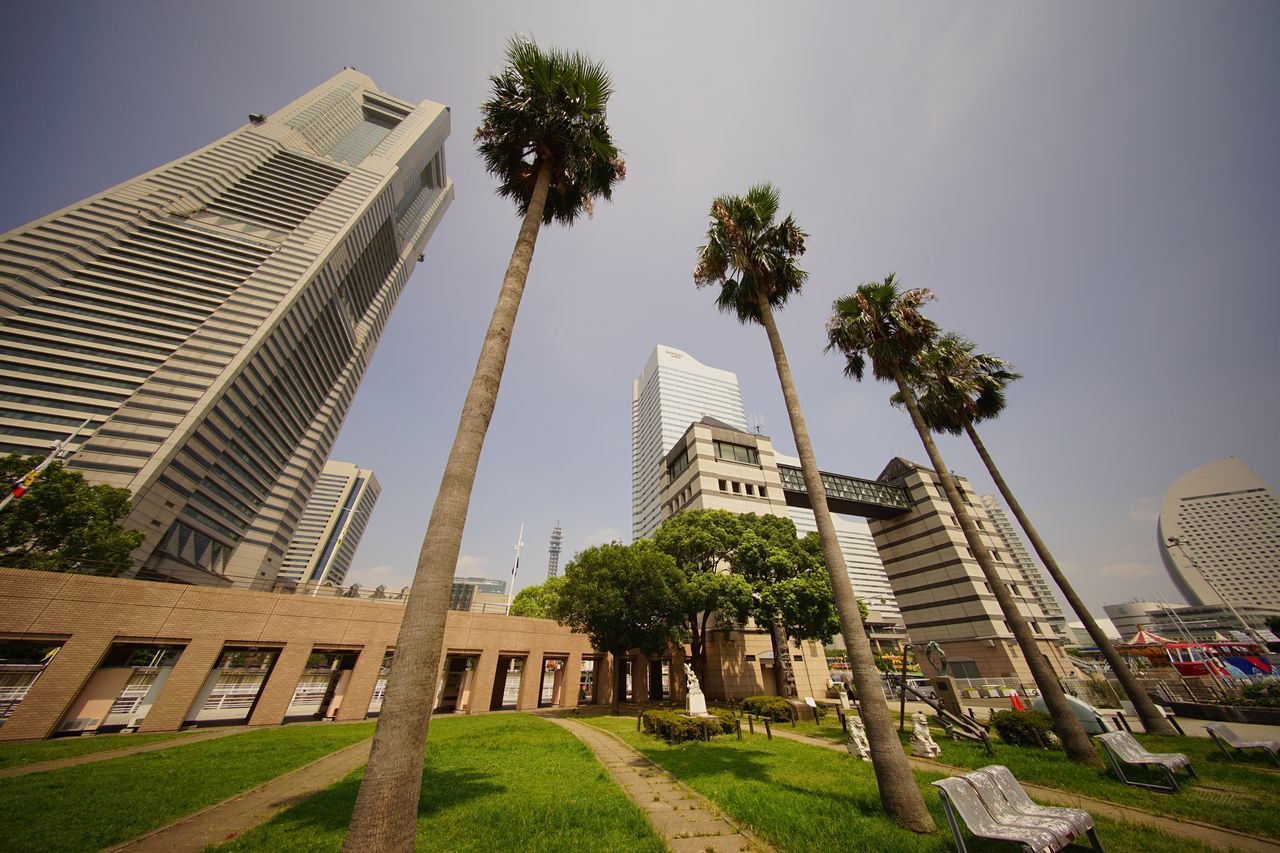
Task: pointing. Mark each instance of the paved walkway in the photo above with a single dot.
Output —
(686, 821)
(1214, 836)
(225, 820)
(58, 764)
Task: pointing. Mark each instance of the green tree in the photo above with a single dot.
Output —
(753, 260)
(791, 590)
(1273, 625)
(62, 524)
(539, 600)
(544, 135)
(623, 597)
(958, 388)
(700, 541)
(885, 324)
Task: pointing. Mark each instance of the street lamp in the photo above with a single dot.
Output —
(1181, 544)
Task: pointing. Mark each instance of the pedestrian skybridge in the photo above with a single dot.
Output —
(847, 495)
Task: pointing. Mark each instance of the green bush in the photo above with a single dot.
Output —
(1261, 695)
(774, 708)
(674, 726)
(1099, 693)
(1024, 728)
(728, 719)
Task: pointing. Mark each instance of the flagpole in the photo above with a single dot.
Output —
(59, 450)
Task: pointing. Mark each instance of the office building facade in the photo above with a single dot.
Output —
(212, 319)
(1219, 536)
(331, 526)
(1031, 573)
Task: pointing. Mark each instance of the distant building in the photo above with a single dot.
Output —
(1028, 567)
(212, 319)
(941, 590)
(334, 520)
(1219, 536)
(488, 585)
(1182, 622)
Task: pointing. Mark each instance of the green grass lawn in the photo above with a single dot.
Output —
(37, 752)
(1241, 795)
(495, 782)
(96, 805)
(803, 798)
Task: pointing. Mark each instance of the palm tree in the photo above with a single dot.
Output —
(544, 136)
(753, 260)
(885, 324)
(957, 389)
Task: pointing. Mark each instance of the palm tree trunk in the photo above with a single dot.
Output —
(1152, 720)
(784, 676)
(619, 680)
(1074, 740)
(386, 812)
(899, 794)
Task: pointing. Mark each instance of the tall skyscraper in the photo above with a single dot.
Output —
(1027, 567)
(332, 523)
(673, 391)
(212, 319)
(1224, 523)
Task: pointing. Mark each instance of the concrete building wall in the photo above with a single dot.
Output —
(940, 588)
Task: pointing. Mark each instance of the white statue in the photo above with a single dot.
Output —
(695, 702)
(857, 742)
(922, 743)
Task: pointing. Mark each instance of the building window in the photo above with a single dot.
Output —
(679, 464)
(736, 452)
(751, 490)
(737, 487)
(763, 494)
(724, 487)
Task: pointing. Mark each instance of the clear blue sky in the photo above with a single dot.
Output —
(1090, 188)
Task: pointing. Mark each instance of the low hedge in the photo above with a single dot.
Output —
(1261, 696)
(774, 708)
(675, 726)
(1025, 728)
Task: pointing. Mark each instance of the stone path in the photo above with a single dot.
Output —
(91, 757)
(225, 820)
(1217, 837)
(686, 821)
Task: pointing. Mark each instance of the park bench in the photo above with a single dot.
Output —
(1120, 749)
(982, 801)
(1224, 737)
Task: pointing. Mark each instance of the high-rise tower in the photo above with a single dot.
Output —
(332, 523)
(673, 391)
(553, 552)
(1028, 567)
(213, 319)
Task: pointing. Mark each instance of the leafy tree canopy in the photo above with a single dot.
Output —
(623, 597)
(788, 576)
(62, 524)
(538, 600)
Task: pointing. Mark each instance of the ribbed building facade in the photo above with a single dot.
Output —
(332, 525)
(1224, 523)
(212, 320)
(1027, 567)
(673, 391)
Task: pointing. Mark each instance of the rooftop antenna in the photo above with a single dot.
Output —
(516, 566)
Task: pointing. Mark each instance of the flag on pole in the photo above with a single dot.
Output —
(19, 487)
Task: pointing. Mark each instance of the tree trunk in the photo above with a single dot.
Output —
(619, 680)
(1152, 720)
(784, 678)
(1074, 740)
(899, 794)
(386, 811)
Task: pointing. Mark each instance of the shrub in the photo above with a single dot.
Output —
(674, 726)
(1024, 728)
(1261, 695)
(774, 708)
(728, 719)
(1099, 693)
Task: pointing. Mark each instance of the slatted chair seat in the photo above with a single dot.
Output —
(1120, 749)
(960, 798)
(1008, 786)
(998, 806)
(1223, 736)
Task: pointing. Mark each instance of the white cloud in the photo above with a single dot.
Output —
(603, 536)
(470, 565)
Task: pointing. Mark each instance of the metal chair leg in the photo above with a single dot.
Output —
(1094, 841)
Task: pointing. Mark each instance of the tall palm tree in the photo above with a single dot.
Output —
(957, 389)
(545, 137)
(753, 260)
(884, 324)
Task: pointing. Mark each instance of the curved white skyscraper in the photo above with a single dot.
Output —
(1224, 523)
(673, 391)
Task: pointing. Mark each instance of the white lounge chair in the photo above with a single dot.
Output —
(1224, 737)
(959, 798)
(1120, 749)
(1017, 798)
